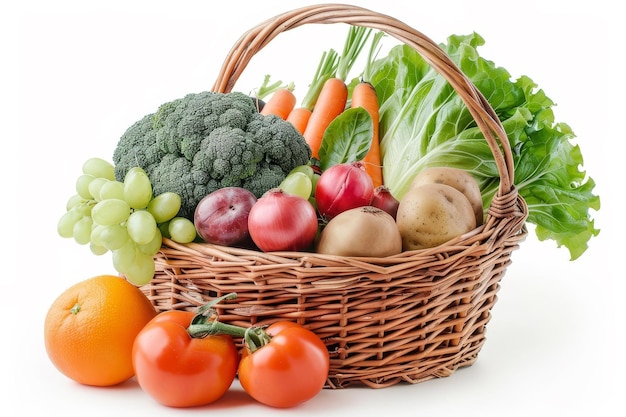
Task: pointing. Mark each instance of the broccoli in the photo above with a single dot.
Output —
(205, 141)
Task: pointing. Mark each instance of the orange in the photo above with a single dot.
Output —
(90, 328)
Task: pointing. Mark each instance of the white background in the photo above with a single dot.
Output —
(77, 74)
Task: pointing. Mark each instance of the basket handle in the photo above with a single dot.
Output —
(504, 203)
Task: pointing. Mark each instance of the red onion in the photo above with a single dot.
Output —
(282, 222)
(384, 200)
(342, 187)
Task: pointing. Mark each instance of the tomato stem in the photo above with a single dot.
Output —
(215, 327)
(208, 307)
(255, 337)
(206, 322)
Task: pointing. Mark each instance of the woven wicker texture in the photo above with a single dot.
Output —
(411, 317)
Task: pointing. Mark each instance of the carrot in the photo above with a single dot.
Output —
(266, 88)
(333, 95)
(330, 103)
(364, 95)
(299, 117)
(280, 103)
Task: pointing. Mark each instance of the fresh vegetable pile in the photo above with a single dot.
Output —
(385, 162)
(350, 143)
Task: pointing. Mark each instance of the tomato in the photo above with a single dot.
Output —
(289, 370)
(179, 370)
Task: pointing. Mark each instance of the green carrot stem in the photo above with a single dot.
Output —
(355, 41)
(266, 88)
(326, 69)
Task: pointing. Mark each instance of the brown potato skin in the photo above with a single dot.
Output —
(432, 214)
(362, 231)
(457, 178)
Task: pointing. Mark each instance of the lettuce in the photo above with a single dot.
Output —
(423, 122)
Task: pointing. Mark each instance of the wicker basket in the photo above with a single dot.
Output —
(411, 317)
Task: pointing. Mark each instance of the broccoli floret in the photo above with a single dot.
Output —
(269, 176)
(140, 148)
(202, 142)
(172, 173)
(229, 155)
(275, 136)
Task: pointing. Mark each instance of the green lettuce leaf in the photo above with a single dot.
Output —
(348, 138)
(423, 122)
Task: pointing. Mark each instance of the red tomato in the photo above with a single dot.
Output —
(291, 369)
(178, 370)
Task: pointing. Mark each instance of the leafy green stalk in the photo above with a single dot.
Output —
(355, 41)
(265, 89)
(326, 69)
(372, 55)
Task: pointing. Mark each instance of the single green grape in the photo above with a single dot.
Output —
(124, 257)
(141, 227)
(112, 189)
(164, 206)
(142, 270)
(111, 211)
(305, 169)
(73, 201)
(113, 237)
(182, 230)
(152, 247)
(314, 180)
(97, 250)
(82, 230)
(99, 168)
(95, 186)
(96, 234)
(137, 189)
(297, 183)
(82, 186)
(136, 169)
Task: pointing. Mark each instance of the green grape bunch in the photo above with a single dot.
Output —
(123, 218)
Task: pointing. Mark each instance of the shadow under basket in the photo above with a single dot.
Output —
(405, 318)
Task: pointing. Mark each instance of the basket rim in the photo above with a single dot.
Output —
(505, 200)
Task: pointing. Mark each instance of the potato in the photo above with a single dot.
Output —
(457, 178)
(432, 214)
(362, 231)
